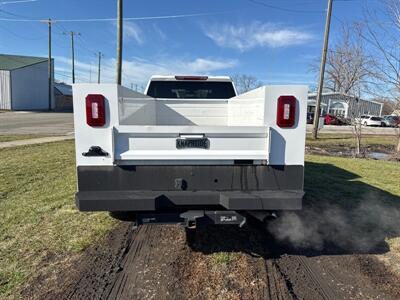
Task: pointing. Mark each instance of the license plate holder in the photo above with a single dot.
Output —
(192, 143)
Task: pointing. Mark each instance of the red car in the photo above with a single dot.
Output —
(334, 120)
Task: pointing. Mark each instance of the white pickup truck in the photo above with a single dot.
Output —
(190, 150)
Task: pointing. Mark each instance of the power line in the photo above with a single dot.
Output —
(286, 9)
(61, 30)
(23, 37)
(115, 19)
(79, 41)
(16, 1)
(13, 14)
(81, 78)
(83, 44)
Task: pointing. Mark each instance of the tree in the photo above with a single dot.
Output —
(245, 83)
(383, 34)
(349, 69)
(388, 106)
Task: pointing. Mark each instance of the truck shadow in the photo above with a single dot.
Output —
(341, 215)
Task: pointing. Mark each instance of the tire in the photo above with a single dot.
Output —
(383, 125)
(365, 124)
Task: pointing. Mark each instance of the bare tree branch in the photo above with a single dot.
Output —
(245, 83)
(349, 68)
(384, 38)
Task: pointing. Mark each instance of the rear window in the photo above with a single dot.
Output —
(376, 119)
(191, 90)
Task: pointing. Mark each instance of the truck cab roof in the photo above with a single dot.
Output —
(189, 78)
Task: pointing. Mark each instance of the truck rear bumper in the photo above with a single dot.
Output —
(183, 188)
(186, 200)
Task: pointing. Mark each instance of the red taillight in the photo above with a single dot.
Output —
(286, 115)
(191, 77)
(95, 110)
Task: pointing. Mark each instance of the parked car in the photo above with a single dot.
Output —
(362, 118)
(391, 121)
(335, 120)
(372, 121)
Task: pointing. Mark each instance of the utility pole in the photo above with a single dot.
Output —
(72, 34)
(322, 69)
(99, 67)
(50, 69)
(119, 41)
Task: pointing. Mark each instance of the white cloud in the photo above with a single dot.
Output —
(133, 32)
(256, 34)
(138, 71)
(159, 32)
(201, 65)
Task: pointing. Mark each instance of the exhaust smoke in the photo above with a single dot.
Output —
(359, 228)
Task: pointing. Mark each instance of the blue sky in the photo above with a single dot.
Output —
(274, 40)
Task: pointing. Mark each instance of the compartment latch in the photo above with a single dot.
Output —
(95, 151)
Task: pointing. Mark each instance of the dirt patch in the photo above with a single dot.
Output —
(71, 273)
(380, 276)
(392, 259)
(263, 268)
(146, 270)
(223, 263)
(128, 264)
(338, 277)
(165, 262)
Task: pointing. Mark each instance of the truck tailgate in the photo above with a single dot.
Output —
(159, 143)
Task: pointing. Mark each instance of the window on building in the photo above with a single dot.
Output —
(338, 108)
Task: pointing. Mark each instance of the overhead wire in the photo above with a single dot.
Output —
(284, 8)
(82, 44)
(16, 1)
(179, 16)
(21, 36)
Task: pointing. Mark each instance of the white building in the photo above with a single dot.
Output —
(24, 83)
(344, 105)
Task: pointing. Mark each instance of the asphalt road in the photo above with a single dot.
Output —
(50, 123)
(349, 129)
(53, 123)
